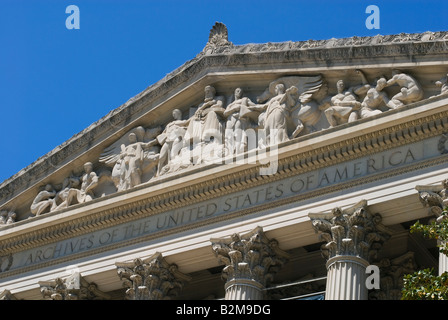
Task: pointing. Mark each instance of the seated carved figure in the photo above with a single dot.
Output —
(207, 122)
(411, 91)
(374, 99)
(344, 106)
(70, 194)
(67, 195)
(43, 201)
(7, 217)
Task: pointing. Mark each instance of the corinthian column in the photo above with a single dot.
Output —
(352, 238)
(250, 260)
(435, 197)
(151, 279)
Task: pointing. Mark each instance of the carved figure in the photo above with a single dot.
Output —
(443, 84)
(434, 197)
(374, 99)
(128, 169)
(277, 114)
(206, 124)
(134, 157)
(344, 106)
(239, 117)
(171, 139)
(43, 201)
(67, 194)
(7, 217)
(89, 181)
(411, 91)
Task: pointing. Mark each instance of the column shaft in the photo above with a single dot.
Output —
(443, 263)
(243, 289)
(346, 277)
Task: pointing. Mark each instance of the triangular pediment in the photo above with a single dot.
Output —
(295, 121)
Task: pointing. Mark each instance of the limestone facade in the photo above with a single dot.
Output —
(260, 171)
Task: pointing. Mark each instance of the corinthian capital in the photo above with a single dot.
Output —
(151, 279)
(353, 231)
(74, 287)
(251, 256)
(434, 197)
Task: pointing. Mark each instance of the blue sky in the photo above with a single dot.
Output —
(55, 82)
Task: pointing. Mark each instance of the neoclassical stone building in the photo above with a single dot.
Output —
(260, 171)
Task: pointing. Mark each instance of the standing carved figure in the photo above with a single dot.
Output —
(171, 139)
(277, 115)
(89, 181)
(238, 116)
(67, 194)
(128, 169)
(411, 91)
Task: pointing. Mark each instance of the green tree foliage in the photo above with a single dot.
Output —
(425, 284)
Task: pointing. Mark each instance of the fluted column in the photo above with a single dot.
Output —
(151, 279)
(250, 260)
(352, 238)
(443, 262)
(435, 197)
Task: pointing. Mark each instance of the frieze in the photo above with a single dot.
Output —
(400, 134)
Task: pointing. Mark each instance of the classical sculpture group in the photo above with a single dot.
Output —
(290, 107)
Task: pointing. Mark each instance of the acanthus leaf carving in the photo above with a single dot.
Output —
(152, 278)
(354, 231)
(250, 256)
(74, 287)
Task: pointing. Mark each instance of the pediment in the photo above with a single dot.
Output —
(314, 67)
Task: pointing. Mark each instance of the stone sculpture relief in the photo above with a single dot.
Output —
(375, 98)
(74, 190)
(411, 91)
(443, 84)
(7, 217)
(43, 201)
(133, 158)
(172, 142)
(434, 197)
(289, 107)
(240, 117)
